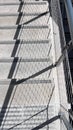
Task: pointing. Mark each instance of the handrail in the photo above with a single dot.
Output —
(66, 122)
(69, 11)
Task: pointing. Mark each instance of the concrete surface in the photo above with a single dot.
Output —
(34, 51)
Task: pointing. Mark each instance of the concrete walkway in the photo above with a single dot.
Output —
(27, 46)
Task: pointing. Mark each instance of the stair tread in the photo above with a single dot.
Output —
(24, 41)
(24, 69)
(7, 81)
(28, 97)
(34, 20)
(28, 8)
(35, 121)
(24, 27)
(27, 33)
(20, 13)
(26, 50)
(33, 95)
(17, 59)
(23, 2)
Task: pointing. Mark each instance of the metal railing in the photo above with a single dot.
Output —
(61, 116)
(69, 11)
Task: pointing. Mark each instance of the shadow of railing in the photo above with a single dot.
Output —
(12, 70)
(36, 114)
(10, 76)
(11, 86)
(27, 119)
(47, 122)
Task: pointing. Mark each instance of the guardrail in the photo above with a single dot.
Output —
(61, 116)
(69, 11)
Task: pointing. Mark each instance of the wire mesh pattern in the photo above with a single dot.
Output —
(27, 52)
(32, 93)
(27, 118)
(27, 105)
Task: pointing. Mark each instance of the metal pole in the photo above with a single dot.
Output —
(66, 122)
(69, 11)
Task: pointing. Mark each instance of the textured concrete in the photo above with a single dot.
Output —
(27, 33)
(27, 19)
(34, 48)
(27, 112)
(21, 69)
(27, 8)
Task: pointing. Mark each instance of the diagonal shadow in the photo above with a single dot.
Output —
(15, 48)
(20, 26)
(56, 64)
(47, 122)
(27, 119)
(11, 86)
(36, 74)
(41, 71)
(13, 81)
(6, 101)
(35, 18)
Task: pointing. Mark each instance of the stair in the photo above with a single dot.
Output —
(30, 117)
(25, 50)
(41, 48)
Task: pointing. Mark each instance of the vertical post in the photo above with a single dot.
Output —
(66, 122)
(69, 11)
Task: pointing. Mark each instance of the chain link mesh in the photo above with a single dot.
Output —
(25, 105)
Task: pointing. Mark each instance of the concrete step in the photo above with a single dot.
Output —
(29, 93)
(23, 68)
(26, 32)
(36, 115)
(12, 1)
(28, 19)
(6, 1)
(24, 49)
(21, 96)
(26, 7)
(41, 2)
